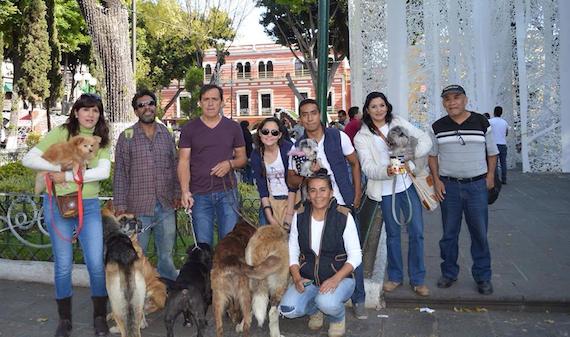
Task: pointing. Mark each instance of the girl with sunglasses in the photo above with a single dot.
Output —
(270, 161)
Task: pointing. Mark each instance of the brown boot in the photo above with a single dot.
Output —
(100, 315)
(64, 311)
(390, 286)
(337, 329)
(316, 321)
(421, 290)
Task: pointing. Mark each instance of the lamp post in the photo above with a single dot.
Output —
(323, 48)
(86, 81)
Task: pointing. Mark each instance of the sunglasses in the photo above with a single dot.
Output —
(273, 132)
(143, 104)
(461, 140)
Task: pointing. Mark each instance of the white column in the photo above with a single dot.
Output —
(482, 12)
(563, 57)
(523, 86)
(432, 21)
(396, 32)
(355, 27)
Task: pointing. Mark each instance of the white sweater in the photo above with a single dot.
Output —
(370, 157)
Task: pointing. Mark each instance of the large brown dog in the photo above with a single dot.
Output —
(268, 253)
(230, 284)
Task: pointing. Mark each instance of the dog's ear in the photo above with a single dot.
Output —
(97, 139)
(76, 140)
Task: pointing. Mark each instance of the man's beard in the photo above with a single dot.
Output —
(147, 119)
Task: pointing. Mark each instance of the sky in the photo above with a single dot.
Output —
(250, 31)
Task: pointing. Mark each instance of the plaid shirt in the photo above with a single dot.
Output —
(145, 171)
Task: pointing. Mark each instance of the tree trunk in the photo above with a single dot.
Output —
(12, 141)
(173, 99)
(108, 26)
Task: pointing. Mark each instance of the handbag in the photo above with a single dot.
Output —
(423, 182)
(67, 205)
(493, 193)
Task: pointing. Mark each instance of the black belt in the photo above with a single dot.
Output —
(280, 197)
(464, 180)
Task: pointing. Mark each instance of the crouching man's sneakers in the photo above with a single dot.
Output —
(421, 290)
(445, 282)
(390, 286)
(316, 321)
(485, 287)
(337, 329)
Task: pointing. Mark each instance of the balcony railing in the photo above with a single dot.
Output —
(266, 111)
(243, 76)
(244, 111)
(266, 74)
(302, 72)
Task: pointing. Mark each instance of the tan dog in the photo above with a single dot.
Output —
(75, 153)
(268, 253)
(230, 285)
(155, 289)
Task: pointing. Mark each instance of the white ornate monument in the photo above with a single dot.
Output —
(513, 53)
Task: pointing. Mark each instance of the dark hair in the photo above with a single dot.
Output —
(141, 93)
(322, 174)
(486, 114)
(244, 124)
(353, 111)
(208, 87)
(341, 113)
(366, 119)
(498, 111)
(101, 128)
(308, 101)
(259, 144)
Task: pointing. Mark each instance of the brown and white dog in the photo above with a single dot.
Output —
(268, 253)
(230, 284)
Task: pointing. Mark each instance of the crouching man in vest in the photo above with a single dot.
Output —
(324, 250)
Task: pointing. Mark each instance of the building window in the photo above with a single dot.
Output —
(265, 69)
(243, 70)
(208, 73)
(266, 104)
(301, 68)
(243, 104)
(330, 105)
(304, 94)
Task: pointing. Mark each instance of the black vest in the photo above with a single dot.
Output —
(332, 255)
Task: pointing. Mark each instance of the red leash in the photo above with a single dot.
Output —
(50, 191)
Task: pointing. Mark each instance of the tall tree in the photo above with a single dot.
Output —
(294, 24)
(10, 25)
(33, 84)
(108, 24)
(54, 74)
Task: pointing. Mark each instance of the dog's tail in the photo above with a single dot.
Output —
(269, 266)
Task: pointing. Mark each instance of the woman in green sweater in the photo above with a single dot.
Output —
(86, 118)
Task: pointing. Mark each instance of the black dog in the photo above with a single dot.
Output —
(191, 293)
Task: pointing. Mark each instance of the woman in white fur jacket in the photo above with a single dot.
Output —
(374, 156)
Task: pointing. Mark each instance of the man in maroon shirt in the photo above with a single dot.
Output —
(354, 124)
(211, 147)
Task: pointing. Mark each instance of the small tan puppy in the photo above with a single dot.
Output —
(75, 153)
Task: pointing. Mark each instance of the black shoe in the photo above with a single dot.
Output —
(100, 325)
(445, 282)
(504, 182)
(64, 312)
(63, 328)
(485, 287)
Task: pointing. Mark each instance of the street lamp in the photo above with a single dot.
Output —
(87, 82)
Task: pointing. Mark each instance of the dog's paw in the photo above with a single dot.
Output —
(239, 327)
(114, 330)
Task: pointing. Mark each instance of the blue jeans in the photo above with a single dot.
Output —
(219, 205)
(502, 161)
(416, 268)
(91, 240)
(469, 199)
(295, 304)
(163, 225)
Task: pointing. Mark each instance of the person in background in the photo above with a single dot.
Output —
(353, 125)
(500, 129)
(462, 164)
(270, 161)
(247, 175)
(342, 119)
(86, 118)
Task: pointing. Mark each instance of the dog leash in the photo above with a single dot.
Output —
(188, 212)
(50, 187)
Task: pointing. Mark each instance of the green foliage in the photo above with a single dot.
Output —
(32, 139)
(71, 27)
(34, 48)
(14, 177)
(192, 83)
(54, 74)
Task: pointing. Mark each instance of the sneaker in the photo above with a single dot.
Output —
(359, 311)
(390, 286)
(445, 282)
(337, 329)
(485, 287)
(421, 290)
(316, 321)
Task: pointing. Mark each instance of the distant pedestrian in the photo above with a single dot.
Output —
(342, 118)
(211, 147)
(486, 114)
(500, 129)
(353, 126)
(462, 163)
(145, 182)
(247, 176)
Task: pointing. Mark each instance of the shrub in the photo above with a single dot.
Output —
(33, 138)
(14, 177)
